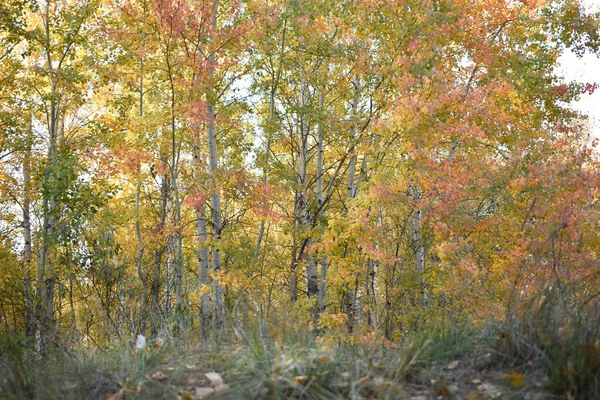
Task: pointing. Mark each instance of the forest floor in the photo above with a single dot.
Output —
(448, 362)
(454, 381)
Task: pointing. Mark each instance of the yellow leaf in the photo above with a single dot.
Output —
(516, 380)
(186, 395)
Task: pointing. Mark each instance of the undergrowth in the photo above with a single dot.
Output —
(557, 357)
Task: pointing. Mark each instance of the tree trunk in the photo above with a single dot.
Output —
(30, 323)
(269, 131)
(293, 283)
(419, 248)
(312, 287)
(216, 212)
(45, 271)
(375, 271)
(138, 224)
(168, 298)
(160, 250)
(140, 256)
(203, 258)
(177, 252)
(320, 201)
(350, 299)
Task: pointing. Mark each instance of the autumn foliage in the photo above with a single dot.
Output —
(355, 168)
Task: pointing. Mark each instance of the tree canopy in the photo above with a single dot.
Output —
(347, 166)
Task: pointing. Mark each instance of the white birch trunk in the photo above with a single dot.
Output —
(419, 248)
(320, 200)
(351, 299)
(303, 208)
(216, 212)
(203, 256)
(30, 324)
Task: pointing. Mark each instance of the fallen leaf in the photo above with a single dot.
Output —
(214, 378)
(362, 380)
(186, 395)
(300, 379)
(490, 390)
(441, 388)
(159, 376)
(221, 387)
(113, 396)
(202, 392)
(474, 396)
(516, 380)
(452, 365)
(192, 380)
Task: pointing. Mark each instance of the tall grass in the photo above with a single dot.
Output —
(557, 348)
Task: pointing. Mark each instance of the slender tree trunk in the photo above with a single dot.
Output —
(350, 305)
(203, 256)
(164, 189)
(261, 230)
(138, 223)
(178, 251)
(352, 187)
(179, 299)
(45, 278)
(30, 323)
(216, 212)
(419, 248)
(169, 264)
(45, 271)
(140, 256)
(418, 240)
(375, 272)
(320, 201)
(138, 226)
(303, 208)
(160, 250)
(269, 131)
(293, 280)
